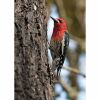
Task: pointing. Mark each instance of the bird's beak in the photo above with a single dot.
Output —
(55, 20)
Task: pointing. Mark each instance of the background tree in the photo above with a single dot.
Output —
(73, 11)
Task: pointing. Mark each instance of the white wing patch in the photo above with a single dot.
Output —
(63, 44)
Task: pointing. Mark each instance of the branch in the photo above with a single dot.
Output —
(72, 92)
(75, 71)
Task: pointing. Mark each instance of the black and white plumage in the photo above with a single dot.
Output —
(58, 52)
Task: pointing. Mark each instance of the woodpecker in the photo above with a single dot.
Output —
(58, 44)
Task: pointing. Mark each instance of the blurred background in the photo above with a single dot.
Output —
(71, 85)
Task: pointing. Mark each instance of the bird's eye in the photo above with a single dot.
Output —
(60, 21)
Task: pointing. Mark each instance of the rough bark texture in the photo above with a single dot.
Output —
(31, 62)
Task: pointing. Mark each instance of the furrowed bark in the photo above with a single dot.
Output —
(31, 59)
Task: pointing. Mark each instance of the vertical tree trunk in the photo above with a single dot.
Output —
(31, 62)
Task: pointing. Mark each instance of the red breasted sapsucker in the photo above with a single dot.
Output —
(59, 44)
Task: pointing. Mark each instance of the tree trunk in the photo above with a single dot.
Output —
(31, 58)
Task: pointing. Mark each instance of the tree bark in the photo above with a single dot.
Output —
(31, 57)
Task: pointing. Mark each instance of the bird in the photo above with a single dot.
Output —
(59, 44)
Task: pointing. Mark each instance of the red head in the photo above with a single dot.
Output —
(59, 28)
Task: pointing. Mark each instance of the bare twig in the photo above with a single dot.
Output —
(72, 92)
(75, 71)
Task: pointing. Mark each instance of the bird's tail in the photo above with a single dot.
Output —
(59, 70)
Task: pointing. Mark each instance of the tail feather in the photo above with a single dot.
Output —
(59, 71)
